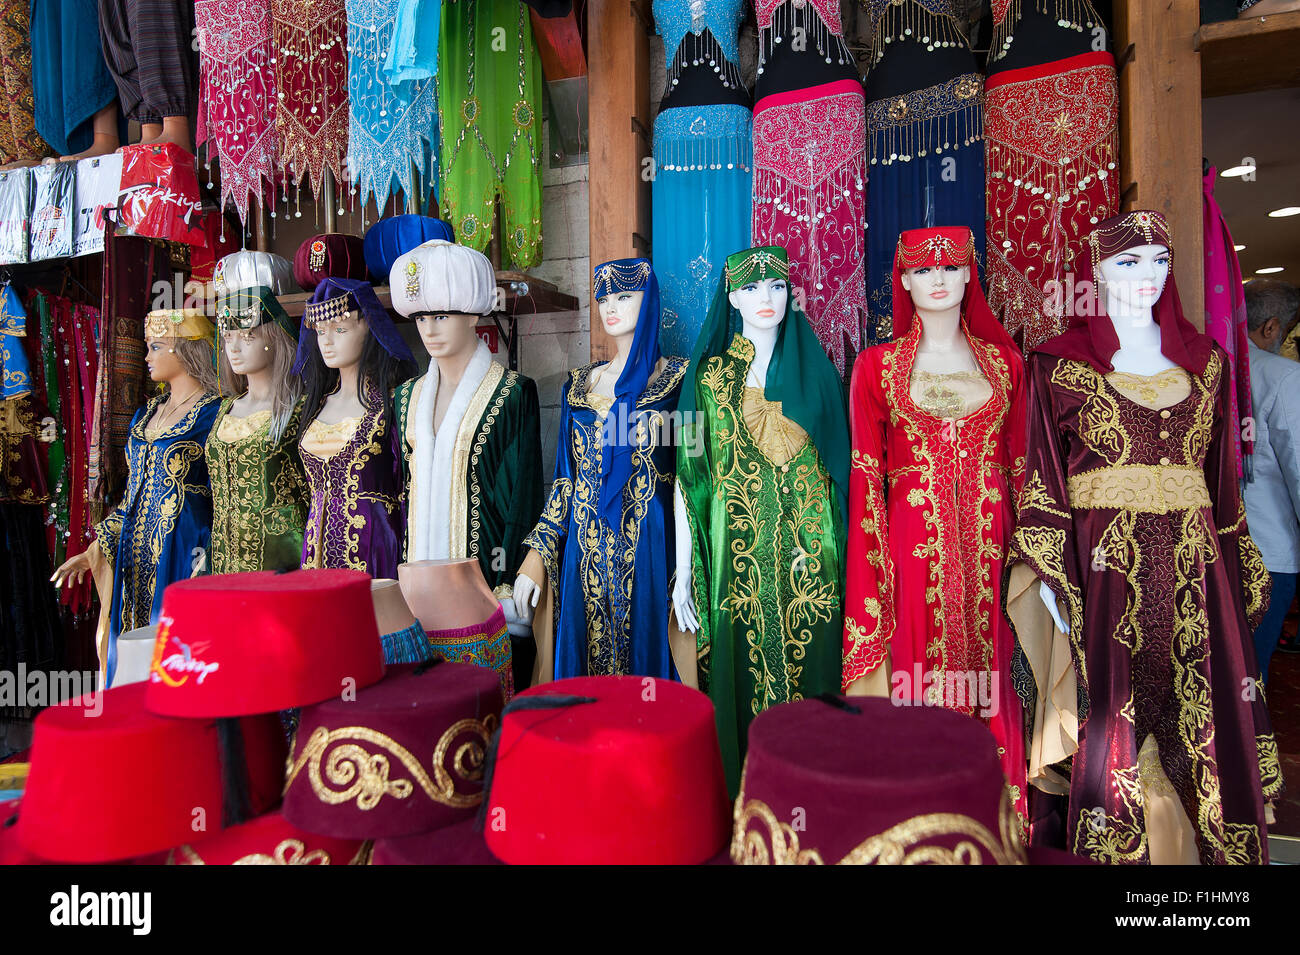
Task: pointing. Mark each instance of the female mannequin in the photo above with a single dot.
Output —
(602, 545)
(160, 531)
(761, 494)
(259, 492)
(938, 453)
(350, 356)
(1131, 515)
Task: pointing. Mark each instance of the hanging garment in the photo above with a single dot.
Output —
(309, 47)
(1131, 513)
(489, 111)
(390, 128)
(70, 80)
(703, 162)
(601, 548)
(925, 132)
(160, 531)
(1225, 315)
(413, 51)
(810, 165)
(18, 136)
(1052, 157)
(238, 102)
(148, 47)
(764, 475)
(931, 511)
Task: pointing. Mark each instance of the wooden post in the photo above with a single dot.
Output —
(618, 52)
(1160, 130)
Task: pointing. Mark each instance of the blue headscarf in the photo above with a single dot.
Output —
(360, 296)
(627, 275)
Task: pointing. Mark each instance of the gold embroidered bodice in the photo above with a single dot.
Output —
(600, 404)
(950, 395)
(1163, 390)
(779, 438)
(232, 430)
(326, 440)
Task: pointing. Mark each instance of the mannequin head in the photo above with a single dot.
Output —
(619, 311)
(761, 303)
(446, 288)
(936, 289)
(447, 334)
(246, 351)
(178, 344)
(1132, 280)
(266, 350)
(342, 340)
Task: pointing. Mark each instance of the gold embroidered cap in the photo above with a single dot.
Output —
(188, 324)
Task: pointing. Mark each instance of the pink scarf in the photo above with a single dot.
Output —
(1225, 313)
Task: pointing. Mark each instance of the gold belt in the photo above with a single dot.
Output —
(1145, 488)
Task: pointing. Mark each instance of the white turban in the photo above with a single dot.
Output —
(441, 276)
(248, 269)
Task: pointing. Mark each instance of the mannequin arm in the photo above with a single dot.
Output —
(683, 602)
(1049, 599)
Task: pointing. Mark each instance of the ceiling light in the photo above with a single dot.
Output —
(1269, 271)
(1239, 248)
(1236, 171)
(1284, 212)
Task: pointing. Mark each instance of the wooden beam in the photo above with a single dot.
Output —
(1256, 53)
(1160, 130)
(618, 55)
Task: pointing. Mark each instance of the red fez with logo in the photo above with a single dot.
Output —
(861, 781)
(110, 780)
(269, 840)
(258, 642)
(404, 757)
(607, 770)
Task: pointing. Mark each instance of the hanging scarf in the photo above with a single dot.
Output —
(1225, 312)
(413, 52)
(309, 45)
(332, 300)
(799, 375)
(627, 275)
(390, 127)
(18, 136)
(1091, 335)
(237, 103)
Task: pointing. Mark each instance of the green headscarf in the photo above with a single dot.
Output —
(800, 376)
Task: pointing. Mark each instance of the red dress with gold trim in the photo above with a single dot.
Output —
(926, 547)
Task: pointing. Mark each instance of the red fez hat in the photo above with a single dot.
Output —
(258, 642)
(121, 782)
(866, 782)
(269, 840)
(461, 844)
(11, 850)
(404, 757)
(607, 770)
(333, 255)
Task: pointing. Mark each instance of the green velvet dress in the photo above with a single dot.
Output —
(767, 566)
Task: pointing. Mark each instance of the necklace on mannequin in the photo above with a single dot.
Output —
(169, 412)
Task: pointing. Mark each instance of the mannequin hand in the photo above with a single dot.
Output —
(527, 593)
(1049, 598)
(516, 625)
(74, 569)
(684, 605)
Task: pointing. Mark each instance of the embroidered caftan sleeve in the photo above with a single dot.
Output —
(548, 536)
(1042, 550)
(869, 594)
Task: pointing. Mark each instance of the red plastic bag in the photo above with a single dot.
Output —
(160, 194)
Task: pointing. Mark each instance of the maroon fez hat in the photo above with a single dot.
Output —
(404, 757)
(860, 781)
(269, 840)
(461, 844)
(334, 255)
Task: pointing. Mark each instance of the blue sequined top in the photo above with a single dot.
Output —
(676, 18)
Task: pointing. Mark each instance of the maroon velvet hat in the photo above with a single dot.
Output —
(269, 840)
(461, 844)
(866, 782)
(404, 757)
(333, 255)
(258, 642)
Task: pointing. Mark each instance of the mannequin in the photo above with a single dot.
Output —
(761, 487)
(1132, 516)
(937, 418)
(259, 491)
(350, 356)
(147, 44)
(598, 559)
(461, 620)
(160, 531)
(399, 631)
(470, 430)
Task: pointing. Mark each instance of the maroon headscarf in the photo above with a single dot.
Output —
(1090, 337)
(945, 245)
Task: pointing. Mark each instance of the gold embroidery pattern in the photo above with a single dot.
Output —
(458, 525)
(1034, 495)
(1140, 488)
(1270, 766)
(1255, 579)
(1099, 418)
(1118, 838)
(508, 384)
(364, 775)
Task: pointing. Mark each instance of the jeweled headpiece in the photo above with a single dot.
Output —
(1139, 227)
(754, 265)
(621, 275)
(948, 245)
(251, 307)
(328, 310)
(188, 324)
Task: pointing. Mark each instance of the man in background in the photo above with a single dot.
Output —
(1273, 491)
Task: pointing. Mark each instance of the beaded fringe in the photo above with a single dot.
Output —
(901, 128)
(1077, 15)
(909, 20)
(703, 50)
(786, 19)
